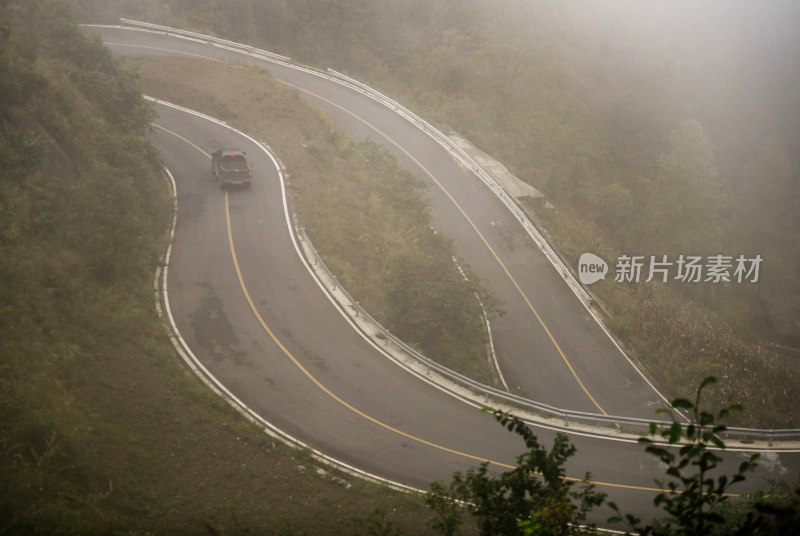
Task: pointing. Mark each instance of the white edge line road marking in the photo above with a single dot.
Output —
(529, 418)
(380, 133)
(216, 386)
(271, 430)
(531, 422)
(344, 83)
(333, 79)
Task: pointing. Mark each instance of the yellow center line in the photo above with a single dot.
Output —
(333, 395)
(477, 231)
(311, 377)
(458, 207)
(291, 356)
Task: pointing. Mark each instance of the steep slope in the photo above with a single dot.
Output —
(101, 428)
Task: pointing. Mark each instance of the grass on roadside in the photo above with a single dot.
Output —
(680, 342)
(367, 216)
(102, 429)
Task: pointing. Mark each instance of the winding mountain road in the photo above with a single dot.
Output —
(248, 306)
(548, 345)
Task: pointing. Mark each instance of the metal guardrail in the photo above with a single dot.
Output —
(631, 424)
(476, 168)
(205, 38)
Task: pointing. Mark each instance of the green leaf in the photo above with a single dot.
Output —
(675, 432)
(716, 518)
(691, 430)
(708, 381)
(682, 403)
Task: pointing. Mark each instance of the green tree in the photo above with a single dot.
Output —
(429, 302)
(696, 501)
(684, 202)
(448, 67)
(764, 219)
(614, 205)
(532, 498)
(691, 495)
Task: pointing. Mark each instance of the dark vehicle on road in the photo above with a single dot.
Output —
(230, 167)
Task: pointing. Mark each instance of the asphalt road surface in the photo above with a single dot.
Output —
(250, 310)
(576, 365)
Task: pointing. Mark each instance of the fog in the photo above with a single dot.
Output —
(585, 101)
(735, 65)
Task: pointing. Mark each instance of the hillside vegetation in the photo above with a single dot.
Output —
(102, 430)
(661, 131)
(366, 215)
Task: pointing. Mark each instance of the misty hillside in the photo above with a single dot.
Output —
(668, 131)
(585, 101)
(81, 214)
(664, 131)
(95, 405)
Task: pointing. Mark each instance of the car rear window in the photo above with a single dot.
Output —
(234, 162)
